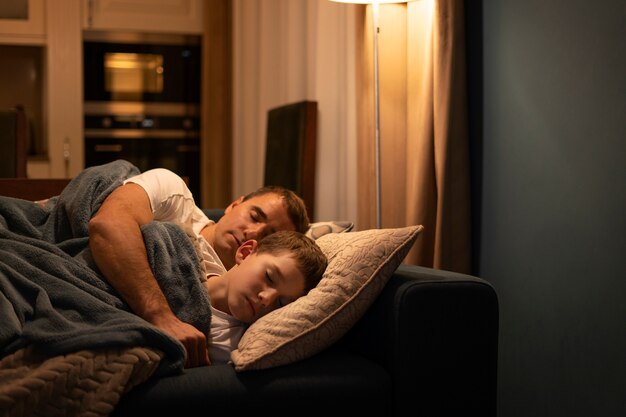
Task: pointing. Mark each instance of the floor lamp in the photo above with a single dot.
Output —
(375, 12)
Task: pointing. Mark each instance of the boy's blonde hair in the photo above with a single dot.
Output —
(309, 257)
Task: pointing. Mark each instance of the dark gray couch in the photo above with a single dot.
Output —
(426, 347)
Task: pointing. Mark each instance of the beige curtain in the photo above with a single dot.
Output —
(285, 51)
(424, 135)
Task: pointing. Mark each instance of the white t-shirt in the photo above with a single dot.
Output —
(226, 331)
(172, 201)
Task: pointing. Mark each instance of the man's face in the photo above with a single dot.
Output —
(262, 283)
(250, 219)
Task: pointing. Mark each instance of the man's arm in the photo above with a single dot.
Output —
(119, 252)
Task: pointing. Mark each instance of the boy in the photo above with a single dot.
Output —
(268, 274)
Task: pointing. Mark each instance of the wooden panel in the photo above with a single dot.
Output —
(63, 88)
(290, 154)
(216, 148)
(32, 189)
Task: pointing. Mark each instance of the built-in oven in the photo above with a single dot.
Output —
(142, 101)
(148, 135)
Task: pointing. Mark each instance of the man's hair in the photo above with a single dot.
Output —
(308, 256)
(296, 209)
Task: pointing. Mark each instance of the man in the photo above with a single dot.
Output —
(118, 249)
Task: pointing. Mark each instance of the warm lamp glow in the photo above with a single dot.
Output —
(375, 6)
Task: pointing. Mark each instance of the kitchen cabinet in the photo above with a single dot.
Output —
(162, 16)
(22, 22)
(57, 31)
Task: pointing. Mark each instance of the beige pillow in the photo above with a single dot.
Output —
(359, 265)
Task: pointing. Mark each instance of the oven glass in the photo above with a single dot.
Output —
(130, 75)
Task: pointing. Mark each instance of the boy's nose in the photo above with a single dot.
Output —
(268, 297)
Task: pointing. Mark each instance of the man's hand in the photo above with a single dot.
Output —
(193, 340)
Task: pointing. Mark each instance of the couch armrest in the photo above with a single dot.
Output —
(436, 332)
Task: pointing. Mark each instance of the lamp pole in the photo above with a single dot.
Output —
(376, 116)
(375, 13)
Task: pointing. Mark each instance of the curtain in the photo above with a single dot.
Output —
(423, 131)
(287, 51)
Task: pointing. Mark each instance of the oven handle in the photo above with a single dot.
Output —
(108, 148)
(187, 148)
(119, 148)
(141, 133)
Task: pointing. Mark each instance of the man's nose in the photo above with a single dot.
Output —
(257, 231)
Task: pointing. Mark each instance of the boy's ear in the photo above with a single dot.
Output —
(233, 204)
(246, 248)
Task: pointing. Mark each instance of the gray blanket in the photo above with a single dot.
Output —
(54, 299)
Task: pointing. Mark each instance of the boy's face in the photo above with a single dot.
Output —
(262, 283)
(250, 219)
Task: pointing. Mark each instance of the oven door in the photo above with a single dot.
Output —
(180, 155)
(149, 73)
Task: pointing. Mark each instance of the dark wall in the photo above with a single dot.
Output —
(548, 137)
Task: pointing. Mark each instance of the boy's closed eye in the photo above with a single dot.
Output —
(280, 300)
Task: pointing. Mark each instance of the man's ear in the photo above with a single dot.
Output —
(246, 248)
(233, 204)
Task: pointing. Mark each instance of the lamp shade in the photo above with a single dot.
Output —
(371, 1)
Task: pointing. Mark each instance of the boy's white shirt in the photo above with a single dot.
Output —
(226, 331)
(172, 201)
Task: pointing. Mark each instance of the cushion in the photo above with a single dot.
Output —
(359, 265)
(319, 229)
